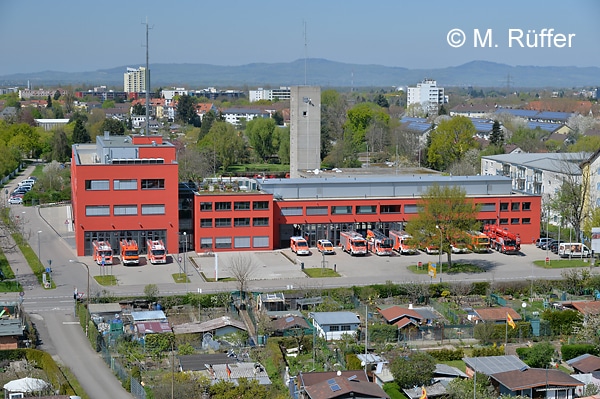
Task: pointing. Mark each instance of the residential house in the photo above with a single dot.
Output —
(235, 116)
(401, 317)
(586, 308)
(337, 385)
(290, 326)
(535, 382)
(271, 302)
(217, 327)
(11, 325)
(473, 110)
(585, 363)
(334, 325)
(496, 315)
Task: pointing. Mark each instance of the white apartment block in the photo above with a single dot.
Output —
(283, 93)
(134, 80)
(41, 93)
(236, 115)
(427, 94)
(169, 94)
(541, 174)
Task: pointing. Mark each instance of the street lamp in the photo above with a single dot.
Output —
(39, 253)
(184, 255)
(87, 298)
(440, 251)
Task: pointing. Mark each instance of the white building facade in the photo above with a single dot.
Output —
(134, 80)
(283, 93)
(427, 94)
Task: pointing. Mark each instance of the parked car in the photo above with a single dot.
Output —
(15, 200)
(325, 246)
(541, 241)
(547, 244)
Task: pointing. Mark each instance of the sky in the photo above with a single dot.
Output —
(82, 35)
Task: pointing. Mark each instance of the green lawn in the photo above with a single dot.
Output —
(106, 280)
(456, 268)
(180, 278)
(562, 263)
(316, 272)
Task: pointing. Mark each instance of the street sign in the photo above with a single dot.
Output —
(22, 293)
(48, 270)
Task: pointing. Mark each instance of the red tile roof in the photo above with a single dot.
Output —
(396, 312)
(587, 365)
(348, 384)
(531, 378)
(585, 307)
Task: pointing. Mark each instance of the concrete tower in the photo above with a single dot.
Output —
(305, 129)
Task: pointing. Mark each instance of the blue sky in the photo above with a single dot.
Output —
(82, 35)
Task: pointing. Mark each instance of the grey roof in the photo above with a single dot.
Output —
(203, 361)
(489, 365)
(553, 162)
(209, 326)
(428, 313)
(274, 297)
(276, 314)
(578, 358)
(147, 315)
(327, 318)
(441, 368)
(11, 327)
(105, 308)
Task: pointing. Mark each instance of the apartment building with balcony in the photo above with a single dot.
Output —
(134, 80)
(428, 94)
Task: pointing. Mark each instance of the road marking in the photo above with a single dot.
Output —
(71, 322)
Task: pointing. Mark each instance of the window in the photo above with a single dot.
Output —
(515, 221)
(390, 209)
(260, 242)
(129, 184)
(153, 209)
(125, 210)
(222, 206)
(526, 206)
(97, 210)
(241, 242)
(503, 206)
(241, 222)
(241, 206)
(296, 211)
(223, 242)
(334, 328)
(223, 222)
(205, 206)
(363, 209)
(100, 185)
(526, 221)
(515, 206)
(488, 207)
(256, 222)
(411, 209)
(260, 205)
(206, 223)
(316, 210)
(153, 184)
(345, 328)
(205, 242)
(503, 221)
(341, 210)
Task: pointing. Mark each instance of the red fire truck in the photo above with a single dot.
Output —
(353, 243)
(403, 242)
(502, 240)
(379, 243)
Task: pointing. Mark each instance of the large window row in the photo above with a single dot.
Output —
(235, 242)
(124, 210)
(237, 222)
(237, 206)
(387, 209)
(125, 184)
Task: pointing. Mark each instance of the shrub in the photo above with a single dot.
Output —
(445, 355)
(572, 351)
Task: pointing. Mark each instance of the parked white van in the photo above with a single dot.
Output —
(573, 249)
(29, 182)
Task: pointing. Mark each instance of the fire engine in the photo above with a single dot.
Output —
(353, 243)
(502, 240)
(103, 254)
(379, 243)
(156, 251)
(130, 254)
(478, 242)
(403, 242)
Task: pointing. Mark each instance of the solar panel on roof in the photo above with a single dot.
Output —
(289, 319)
(331, 381)
(335, 387)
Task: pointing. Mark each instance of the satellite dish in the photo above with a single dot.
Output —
(339, 373)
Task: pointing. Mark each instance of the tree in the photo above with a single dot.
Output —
(56, 95)
(570, 200)
(538, 356)
(283, 137)
(207, 121)
(138, 109)
(496, 137)
(80, 133)
(414, 370)
(242, 267)
(444, 210)
(113, 126)
(563, 321)
(186, 109)
(151, 292)
(381, 101)
(108, 104)
(261, 135)
(49, 102)
(61, 151)
(450, 141)
(227, 145)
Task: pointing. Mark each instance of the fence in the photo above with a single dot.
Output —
(137, 390)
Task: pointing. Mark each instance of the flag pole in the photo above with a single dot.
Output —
(506, 335)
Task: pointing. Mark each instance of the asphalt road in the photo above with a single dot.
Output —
(52, 310)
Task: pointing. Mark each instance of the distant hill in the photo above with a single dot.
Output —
(323, 73)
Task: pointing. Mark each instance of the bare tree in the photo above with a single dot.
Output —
(459, 291)
(242, 267)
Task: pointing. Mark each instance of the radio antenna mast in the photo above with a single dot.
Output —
(147, 81)
(305, 53)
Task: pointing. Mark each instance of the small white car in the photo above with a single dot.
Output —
(15, 200)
